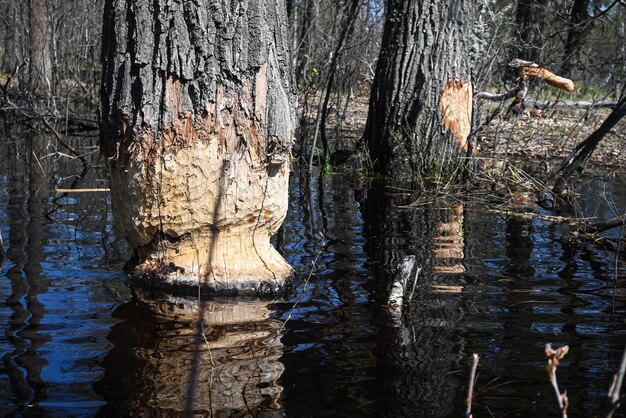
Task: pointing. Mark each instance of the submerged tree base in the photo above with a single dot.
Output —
(163, 277)
(215, 263)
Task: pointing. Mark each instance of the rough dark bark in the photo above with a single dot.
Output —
(421, 89)
(197, 124)
(40, 69)
(14, 40)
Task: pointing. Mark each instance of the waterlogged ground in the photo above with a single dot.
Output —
(75, 341)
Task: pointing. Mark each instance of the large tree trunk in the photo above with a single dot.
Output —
(197, 124)
(421, 101)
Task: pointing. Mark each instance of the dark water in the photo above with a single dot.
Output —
(74, 341)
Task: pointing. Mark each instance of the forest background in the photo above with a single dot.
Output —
(50, 63)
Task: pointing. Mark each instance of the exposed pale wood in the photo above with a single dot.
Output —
(425, 46)
(197, 126)
(549, 77)
(101, 190)
(399, 285)
(455, 106)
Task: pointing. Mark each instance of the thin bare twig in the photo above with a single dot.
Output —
(614, 398)
(554, 357)
(470, 389)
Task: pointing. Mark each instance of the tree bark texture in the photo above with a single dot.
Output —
(14, 41)
(421, 100)
(40, 67)
(197, 124)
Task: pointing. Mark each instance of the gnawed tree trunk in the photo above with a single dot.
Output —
(197, 124)
(420, 107)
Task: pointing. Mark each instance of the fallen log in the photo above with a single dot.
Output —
(545, 104)
(581, 225)
(603, 225)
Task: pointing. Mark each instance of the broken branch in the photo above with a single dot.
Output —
(554, 357)
(614, 398)
(549, 78)
(470, 389)
(576, 161)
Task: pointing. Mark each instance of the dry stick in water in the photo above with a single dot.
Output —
(554, 356)
(615, 399)
(470, 389)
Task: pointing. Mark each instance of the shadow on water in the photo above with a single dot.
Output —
(74, 341)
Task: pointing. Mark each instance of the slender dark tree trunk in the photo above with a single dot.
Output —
(40, 67)
(530, 20)
(15, 33)
(346, 32)
(197, 123)
(575, 36)
(306, 27)
(421, 99)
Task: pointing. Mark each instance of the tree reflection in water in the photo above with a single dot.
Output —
(450, 243)
(150, 367)
(417, 358)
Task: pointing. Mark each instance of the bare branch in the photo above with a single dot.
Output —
(554, 357)
(614, 398)
(470, 388)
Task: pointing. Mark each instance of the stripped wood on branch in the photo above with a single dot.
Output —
(549, 78)
(527, 70)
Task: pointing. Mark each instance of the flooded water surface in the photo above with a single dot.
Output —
(76, 341)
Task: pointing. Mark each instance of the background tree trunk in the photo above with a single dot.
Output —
(529, 18)
(197, 123)
(422, 88)
(40, 67)
(13, 31)
(575, 36)
(347, 28)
